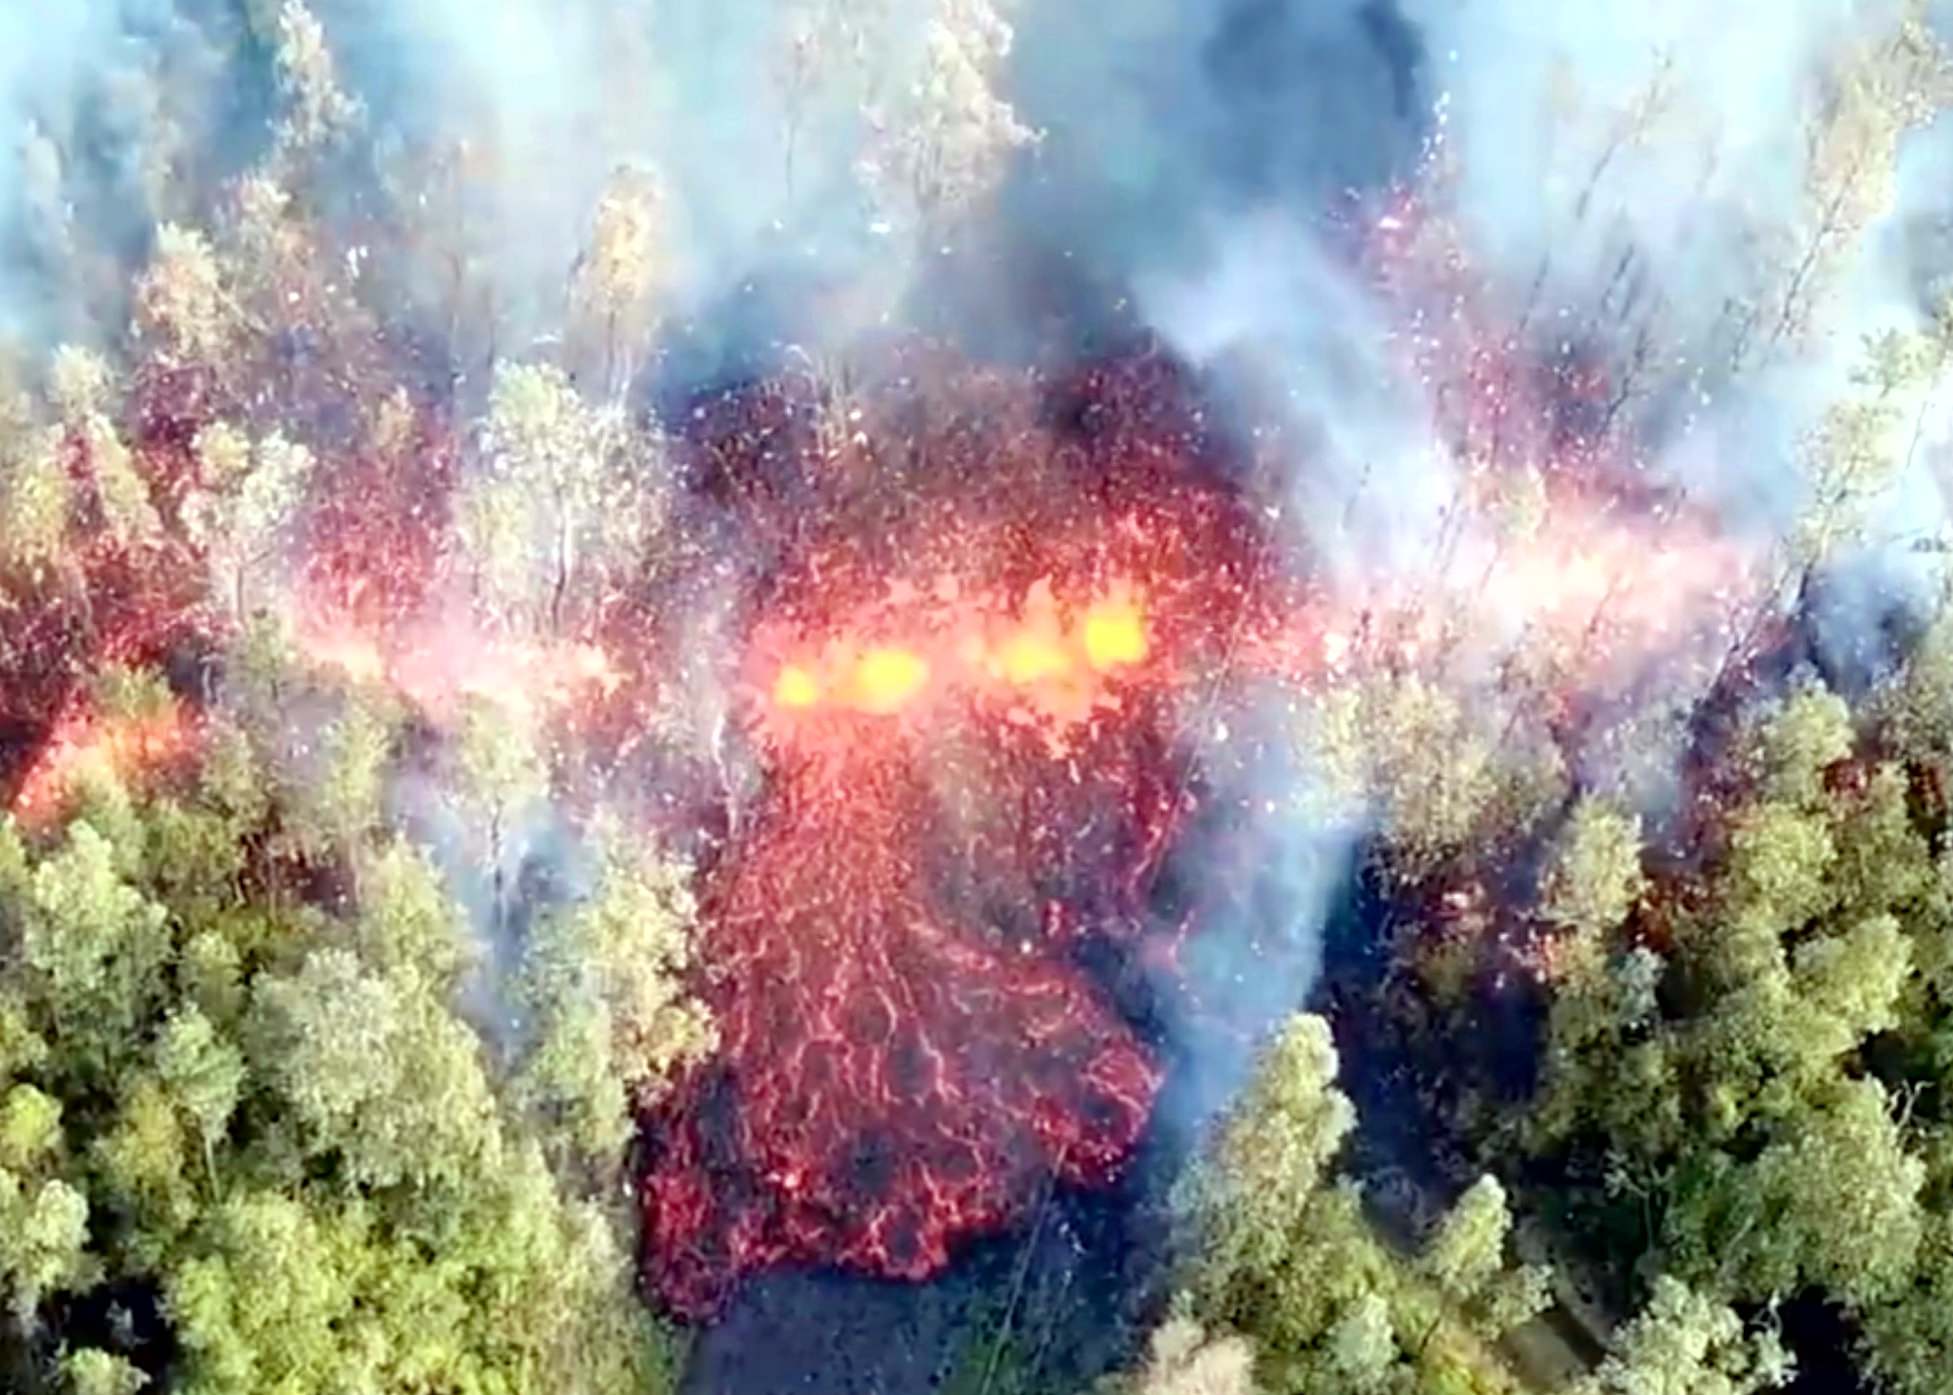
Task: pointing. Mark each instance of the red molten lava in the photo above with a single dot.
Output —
(967, 706)
(971, 667)
(83, 742)
(905, 1075)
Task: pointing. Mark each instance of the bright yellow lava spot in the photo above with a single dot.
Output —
(1114, 634)
(795, 687)
(885, 679)
(1027, 657)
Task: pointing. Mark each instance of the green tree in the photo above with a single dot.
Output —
(1833, 1200)
(1880, 84)
(1280, 1250)
(408, 926)
(1684, 1343)
(374, 1068)
(618, 272)
(317, 110)
(96, 949)
(143, 1160)
(1595, 875)
(36, 497)
(81, 385)
(30, 1129)
(1274, 1151)
(1762, 1099)
(92, 1371)
(203, 1073)
(612, 1019)
(561, 501)
(499, 773)
(1181, 1359)
(340, 807)
(1465, 1260)
(285, 1128)
(1468, 1248)
(947, 143)
(244, 508)
(1426, 766)
(263, 1301)
(182, 308)
(1908, 1337)
(43, 1242)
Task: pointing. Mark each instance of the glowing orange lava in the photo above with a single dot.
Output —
(346, 650)
(127, 749)
(436, 667)
(1031, 656)
(796, 687)
(1115, 634)
(966, 700)
(886, 678)
(1034, 656)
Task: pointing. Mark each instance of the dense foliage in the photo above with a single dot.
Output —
(1740, 1098)
(248, 1142)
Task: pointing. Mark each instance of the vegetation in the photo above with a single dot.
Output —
(1740, 1096)
(266, 1123)
(1282, 1252)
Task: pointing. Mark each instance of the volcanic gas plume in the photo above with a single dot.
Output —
(921, 529)
(970, 628)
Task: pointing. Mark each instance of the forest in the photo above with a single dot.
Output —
(1207, 697)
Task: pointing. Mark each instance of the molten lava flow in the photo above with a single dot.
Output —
(973, 769)
(346, 651)
(796, 687)
(966, 707)
(902, 1079)
(965, 651)
(1030, 657)
(437, 668)
(971, 776)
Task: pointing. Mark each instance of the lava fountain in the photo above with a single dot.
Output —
(967, 715)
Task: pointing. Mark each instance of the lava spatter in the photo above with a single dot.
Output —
(971, 769)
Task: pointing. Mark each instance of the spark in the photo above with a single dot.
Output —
(899, 1071)
(592, 666)
(355, 655)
